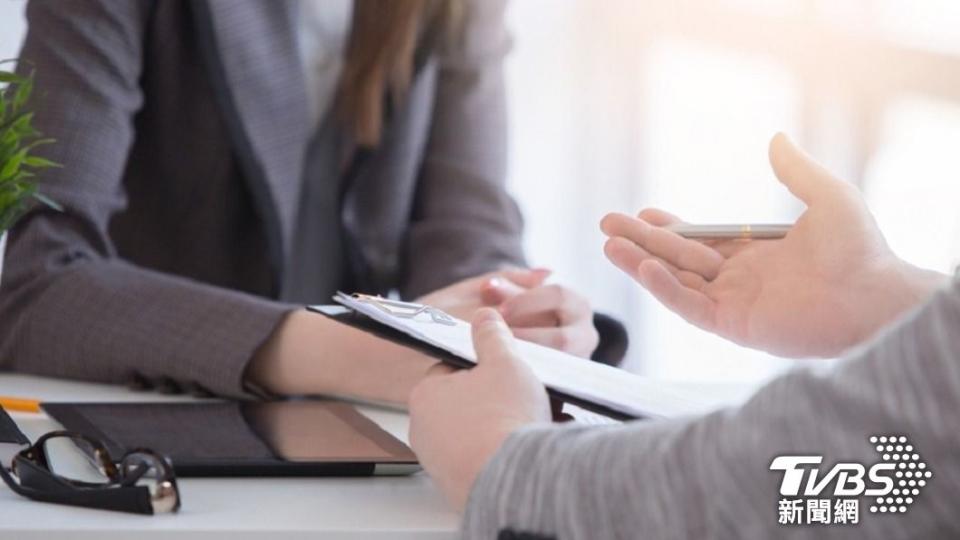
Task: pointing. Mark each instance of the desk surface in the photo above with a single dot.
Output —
(281, 508)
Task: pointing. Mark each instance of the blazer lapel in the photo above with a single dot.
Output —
(263, 90)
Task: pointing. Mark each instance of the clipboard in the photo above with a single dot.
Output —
(592, 386)
(362, 322)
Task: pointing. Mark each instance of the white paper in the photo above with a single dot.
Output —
(615, 388)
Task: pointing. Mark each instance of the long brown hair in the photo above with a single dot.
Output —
(380, 56)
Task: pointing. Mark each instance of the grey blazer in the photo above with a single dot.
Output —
(183, 130)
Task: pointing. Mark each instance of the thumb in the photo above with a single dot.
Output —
(805, 178)
(491, 338)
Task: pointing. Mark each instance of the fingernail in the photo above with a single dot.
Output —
(495, 283)
(543, 273)
(486, 316)
(783, 138)
(603, 224)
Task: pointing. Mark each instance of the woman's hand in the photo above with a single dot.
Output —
(459, 420)
(551, 315)
(464, 298)
(309, 354)
(828, 285)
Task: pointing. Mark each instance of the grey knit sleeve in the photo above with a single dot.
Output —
(711, 476)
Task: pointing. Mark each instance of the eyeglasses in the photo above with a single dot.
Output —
(140, 482)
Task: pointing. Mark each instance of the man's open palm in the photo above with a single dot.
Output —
(828, 285)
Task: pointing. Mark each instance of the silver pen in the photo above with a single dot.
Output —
(759, 231)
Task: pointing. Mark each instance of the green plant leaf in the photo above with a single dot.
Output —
(39, 162)
(39, 142)
(17, 126)
(18, 137)
(11, 167)
(22, 95)
(7, 149)
(22, 178)
(8, 77)
(21, 125)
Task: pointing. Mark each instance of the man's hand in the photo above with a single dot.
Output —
(828, 285)
(459, 420)
(551, 315)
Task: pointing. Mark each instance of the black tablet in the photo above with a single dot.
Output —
(228, 438)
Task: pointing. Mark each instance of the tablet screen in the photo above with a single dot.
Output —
(302, 437)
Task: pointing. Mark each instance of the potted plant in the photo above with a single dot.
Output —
(18, 164)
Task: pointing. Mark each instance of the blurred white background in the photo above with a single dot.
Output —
(11, 27)
(623, 104)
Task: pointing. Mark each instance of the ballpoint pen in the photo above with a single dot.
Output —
(731, 232)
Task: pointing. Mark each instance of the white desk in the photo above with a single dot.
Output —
(275, 508)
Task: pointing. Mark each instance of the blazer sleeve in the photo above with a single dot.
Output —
(464, 223)
(69, 306)
(710, 476)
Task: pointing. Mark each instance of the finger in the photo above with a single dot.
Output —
(497, 290)
(729, 248)
(658, 217)
(804, 177)
(549, 305)
(691, 280)
(654, 216)
(491, 338)
(628, 257)
(438, 370)
(692, 305)
(682, 253)
(527, 278)
(571, 339)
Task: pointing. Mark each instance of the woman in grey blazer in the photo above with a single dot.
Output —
(226, 161)
(831, 284)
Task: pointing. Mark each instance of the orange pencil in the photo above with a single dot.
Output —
(19, 404)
